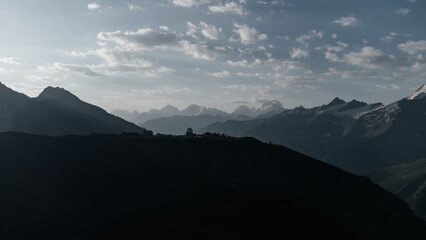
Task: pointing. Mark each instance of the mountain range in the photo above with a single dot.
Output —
(56, 112)
(209, 187)
(268, 108)
(355, 136)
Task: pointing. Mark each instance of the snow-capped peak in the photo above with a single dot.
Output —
(419, 93)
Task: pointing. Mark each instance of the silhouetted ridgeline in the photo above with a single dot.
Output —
(212, 187)
(56, 112)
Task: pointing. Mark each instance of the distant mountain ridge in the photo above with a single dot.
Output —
(56, 112)
(268, 109)
(358, 137)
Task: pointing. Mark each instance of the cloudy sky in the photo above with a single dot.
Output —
(138, 55)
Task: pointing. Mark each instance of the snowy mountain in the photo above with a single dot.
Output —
(418, 94)
(356, 136)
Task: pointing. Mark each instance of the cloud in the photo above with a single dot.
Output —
(277, 65)
(133, 7)
(247, 34)
(202, 51)
(370, 58)
(347, 21)
(412, 1)
(210, 31)
(352, 73)
(339, 48)
(189, 3)
(312, 34)
(222, 74)
(332, 57)
(298, 53)
(144, 38)
(93, 6)
(191, 29)
(230, 7)
(412, 47)
(403, 11)
(12, 61)
(389, 37)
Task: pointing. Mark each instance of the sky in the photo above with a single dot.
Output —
(138, 55)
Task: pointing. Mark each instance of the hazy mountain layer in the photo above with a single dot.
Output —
(268, 109)
(131, 187)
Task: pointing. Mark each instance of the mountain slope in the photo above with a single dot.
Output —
(315, 132)
(385, 137)
(56, 112)
(407, 181)
(130, 187)
(355, 136)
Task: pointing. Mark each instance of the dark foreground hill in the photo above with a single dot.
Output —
(407, 181)
(133, 187)
(56, 112)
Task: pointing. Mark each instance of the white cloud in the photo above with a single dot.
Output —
(210, 31)
(189, 3)
(230, 7)
(412, 47)
(403, 11)
(93, 6)
(389, 37)
(145, 38)
(298, 53)
(370, 58)
(339, 48)
(311, 35)
(275, 64)
(202, 51)
(347, 21)
(247, 34)
(12, 60)
(133, 7)
(332, 57)
(191, 29)
(222, 74)
(412, 1)
(352, 73)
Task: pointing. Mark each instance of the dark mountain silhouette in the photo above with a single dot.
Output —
(204, 187)
(355, 136)
(407, 181)
(56, 112)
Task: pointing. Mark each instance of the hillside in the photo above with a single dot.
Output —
(209, 187)
(407, 181)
